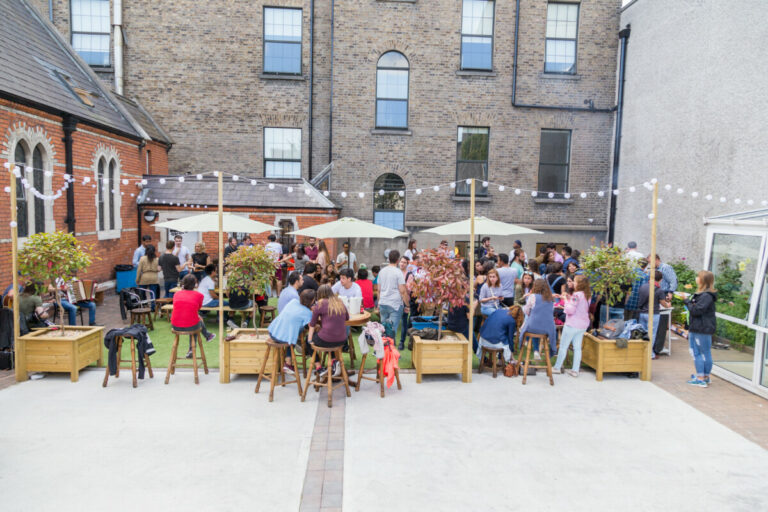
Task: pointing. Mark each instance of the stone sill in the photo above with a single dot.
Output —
(98, 69)
(399, 1)
(268, 76)
(477, 73)
(547, 200)
(467, 199)
(382, 131)
(558, 76)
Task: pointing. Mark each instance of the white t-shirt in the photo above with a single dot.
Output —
(275, 248)
(182, 253)
(205, 287)
(352, 291)
(389, 281)
(409, 254)
(341, 259)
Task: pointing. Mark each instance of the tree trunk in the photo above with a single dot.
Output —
(439, 322)
(61, 312)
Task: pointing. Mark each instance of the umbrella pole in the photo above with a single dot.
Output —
(468, 369)
(20, 359)
(223, 361)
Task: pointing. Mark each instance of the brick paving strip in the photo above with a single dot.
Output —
(324, 480)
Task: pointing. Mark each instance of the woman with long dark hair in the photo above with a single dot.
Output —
(332, 315)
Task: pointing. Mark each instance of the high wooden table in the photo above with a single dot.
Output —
(357, 320)
(603, 356)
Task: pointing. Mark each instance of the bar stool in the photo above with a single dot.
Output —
(132, 360)
(195, 341)
(277, 350)
(494, 354)
(379, 379)
(528, 339)
(266, 310)
(159, 303)
(326, 355)
(142, 316)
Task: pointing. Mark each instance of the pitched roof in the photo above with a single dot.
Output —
(143, 117)
(236, 193)
(40, 67)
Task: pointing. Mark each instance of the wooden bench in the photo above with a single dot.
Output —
(168, 308)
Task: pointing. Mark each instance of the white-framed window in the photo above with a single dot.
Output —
(392, 91)
(107, 197)
(477, 34)
(389, 201)
(90, 31)
(33, 214)
(282, 40)
(282, 152)
(562, 35)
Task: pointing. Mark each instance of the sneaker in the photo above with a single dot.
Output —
(705, 379)
(697, 382)
(336, 367)
(211, 336)
(557, 370)
(244, 325)
(401, 347)
(321, 372)
(232, 324)
(288, 369)
(573, 373)
(189, 355)
(537, 355)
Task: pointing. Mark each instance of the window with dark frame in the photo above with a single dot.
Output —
(554, 161)
(392, 91)
(389, 201)
(282, 152)
(477, 35)
(562, 34)
(112, 195)
(22, 214)
(38, 181)
(282, 40)
(100, 193)
(472, 159)
(91, 31)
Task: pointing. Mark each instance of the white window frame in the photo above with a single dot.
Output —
(267, 159)
(29, 147)
(110, 232)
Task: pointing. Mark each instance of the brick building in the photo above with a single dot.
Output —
(57, 119)
(397, 94)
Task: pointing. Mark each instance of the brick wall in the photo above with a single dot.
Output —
(17, 120)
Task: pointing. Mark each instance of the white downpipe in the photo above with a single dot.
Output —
(117, 29)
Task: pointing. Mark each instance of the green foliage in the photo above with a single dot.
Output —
(443, 282)
(48, 256)
(250, 268)
(609, 272)
(686, 281)
(735, 333)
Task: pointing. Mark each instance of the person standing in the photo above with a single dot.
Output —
(660, 299)
(567, 254)
(300, 258)
(171, 267)
(482, 249)
(669, 277)
(346, 259)
(146, 273)
(393, 295)
(185, 258)
(703, 324)
(446, 250)
(631, 307)
(518, 262)
(366, 287)
(412, 250)
(632, 252)
(323, 256)
(141, 250)
(576, 324)
(507, 278)
(308, 280)
(276, 250)
(311, 249)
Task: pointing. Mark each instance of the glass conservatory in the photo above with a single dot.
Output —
(737, 254)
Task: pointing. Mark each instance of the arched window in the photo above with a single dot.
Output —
(100, 193)
(38, 181)
(389, 201)
(106, 172)
(112, 193)
(392, 91)
(22, 219)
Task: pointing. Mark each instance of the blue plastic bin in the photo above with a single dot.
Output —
(125, 279)
(425, 325)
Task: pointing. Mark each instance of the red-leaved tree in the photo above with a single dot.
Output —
(442, 282)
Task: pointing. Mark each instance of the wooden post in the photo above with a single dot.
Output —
(20, 360)
(652, 282)
(223, 363)
(468, 369)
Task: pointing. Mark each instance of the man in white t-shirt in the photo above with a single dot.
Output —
(185, 258)
(346, 259)
(632, 251)
(393, 295)
(346, 286)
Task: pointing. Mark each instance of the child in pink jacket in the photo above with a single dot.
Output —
(576, 324)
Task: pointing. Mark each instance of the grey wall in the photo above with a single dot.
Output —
(696, 112)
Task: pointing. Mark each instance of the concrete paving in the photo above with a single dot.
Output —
(495, 444)
(77, 446)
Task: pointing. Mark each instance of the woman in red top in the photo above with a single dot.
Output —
(186, 310)
(366, 287)
(332, 315)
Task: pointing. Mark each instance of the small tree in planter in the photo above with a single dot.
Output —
(443, 283)
(250, 269)
(609, 272)
(48, 256)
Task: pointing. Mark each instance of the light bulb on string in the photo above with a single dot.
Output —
(235, 177)
(271, 186)
(722, 199)
(326, 193)
(680, 190)
(306, 191)
(567, 195)
(453, 184)
(737, 201)
(381, 191)
(616, 192)
(343, 194)
(551, 195)
(501, 188)
(401, 193)
(583, 195)
(485, 184)
(518, 191)
(361, 195)
(253, 183)
(650, 216)
(654, 181)
(468, 181)
(418, 191)
(436, 188)
(181, 179)
(694, 195)
(534, 193)
(125, 182)
(659, 201)
(143, 182)
(601, 193)
(290, 190)
(750, 202)
(48, 174)
(632, 188)
(162, 181)
(708, 197)
(216, 174)
(199, 176)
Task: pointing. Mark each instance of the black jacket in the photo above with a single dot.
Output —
(701, 306)
(143, 345)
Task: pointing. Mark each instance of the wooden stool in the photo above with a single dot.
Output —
(494, 354)
(379, 379)
(325, 359)
(351, 344)
(132, 342)
(142, 316)
(195, 340)
(278, 356)
(264, 311)
(159, 303)
(304, 357)
(528, 339)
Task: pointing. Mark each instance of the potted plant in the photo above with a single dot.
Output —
(249, 269)
(442, 283)
(610, 273)
(45, 258)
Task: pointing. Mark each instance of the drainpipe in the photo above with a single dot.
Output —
(117, 29)
(69, 125)
(330, 117)
(311, 75)
(624, 39)
(50, 10)
(590, 108)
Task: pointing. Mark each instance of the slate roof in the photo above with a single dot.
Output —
(143, 117)
(236, 193)
(39, 67)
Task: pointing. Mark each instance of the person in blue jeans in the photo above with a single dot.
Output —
(659, 300)
(71, 308)
(703, 324)
(393, 295)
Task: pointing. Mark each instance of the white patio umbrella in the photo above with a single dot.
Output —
(349, 227)
(483, 226)
(210, 222)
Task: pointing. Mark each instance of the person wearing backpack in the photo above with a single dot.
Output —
(555, 277)
(703, 323)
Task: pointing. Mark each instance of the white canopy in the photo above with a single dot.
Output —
(483, 226)
(210, 222)
(349, 227)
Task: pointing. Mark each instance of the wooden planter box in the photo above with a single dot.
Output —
(244, 356)
(45, 350)
(603, 356)
(451, 354)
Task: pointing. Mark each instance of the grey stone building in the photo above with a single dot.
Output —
(398, 95)
(694, 113)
